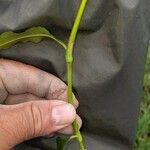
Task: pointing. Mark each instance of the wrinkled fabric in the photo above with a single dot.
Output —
(109, 58)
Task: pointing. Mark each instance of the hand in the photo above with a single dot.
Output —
(43, 109)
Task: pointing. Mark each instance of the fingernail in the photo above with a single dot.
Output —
(63, 114)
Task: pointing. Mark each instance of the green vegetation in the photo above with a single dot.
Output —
(143, 132)
(35, 35)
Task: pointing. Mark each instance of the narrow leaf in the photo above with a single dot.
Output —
(35, 35)
(62, 142)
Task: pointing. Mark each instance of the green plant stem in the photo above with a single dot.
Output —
(74, 30)
(69, 60)
(70, 100)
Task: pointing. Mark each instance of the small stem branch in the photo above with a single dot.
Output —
(69, 60)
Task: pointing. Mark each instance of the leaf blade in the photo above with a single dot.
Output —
(34, 34)
(62, 142)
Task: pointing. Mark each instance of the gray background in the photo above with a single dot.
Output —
(109, 62)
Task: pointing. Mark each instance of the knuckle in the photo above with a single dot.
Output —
(37, 119)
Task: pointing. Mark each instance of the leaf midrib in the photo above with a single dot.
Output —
(36, 35)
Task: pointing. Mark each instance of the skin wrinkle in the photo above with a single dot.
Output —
(46, 83)
(42, 75)
(16, 99)
(41, 123)
(3, 92)
(33, 120)
(2, 120)
(29, 88)
(48, 90)
(17, 135)
(53, 94)
(43, 78)
(37, 119)
(24, 120)
(47, 94)
(29, 74)
(3, 70)
(58, 92)
(29, 126)
(41, 88)
(39, 92)
(25, 129)
(4, 137)
(10, 131)
(7, 76)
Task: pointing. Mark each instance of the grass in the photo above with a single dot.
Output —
(143, 132)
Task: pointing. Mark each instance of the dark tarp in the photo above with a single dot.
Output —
(110, 54)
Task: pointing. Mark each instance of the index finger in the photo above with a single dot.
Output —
(19, 78)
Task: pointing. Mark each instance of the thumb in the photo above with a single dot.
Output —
(33, 119)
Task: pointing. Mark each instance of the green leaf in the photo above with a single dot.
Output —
(61, 142)
(35, 35)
